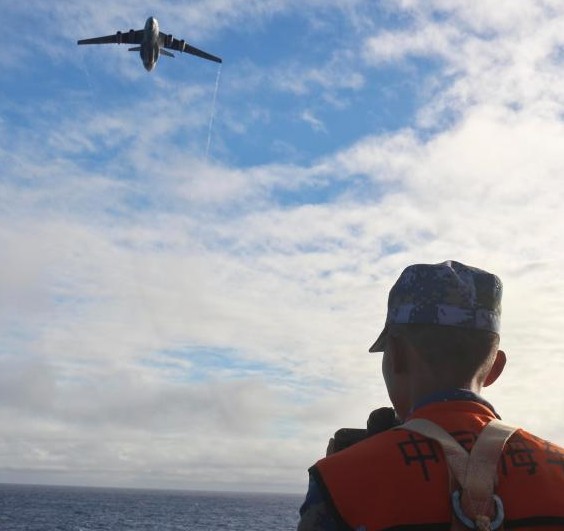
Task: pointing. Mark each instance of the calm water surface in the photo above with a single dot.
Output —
(40, 508)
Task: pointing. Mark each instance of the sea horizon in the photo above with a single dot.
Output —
(192, 490)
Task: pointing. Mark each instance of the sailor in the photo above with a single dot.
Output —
(440, 347)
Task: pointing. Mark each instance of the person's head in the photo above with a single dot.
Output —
(441, 332)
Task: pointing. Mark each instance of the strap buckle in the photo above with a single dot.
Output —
(495, 523)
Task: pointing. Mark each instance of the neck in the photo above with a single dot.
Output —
(423, 388)
(419, 392)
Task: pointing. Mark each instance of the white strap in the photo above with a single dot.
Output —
(475, 472)
(481, 470)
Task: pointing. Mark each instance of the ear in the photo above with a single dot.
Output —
(497, 368)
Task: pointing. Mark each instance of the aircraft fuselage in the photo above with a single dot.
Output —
(149, 51)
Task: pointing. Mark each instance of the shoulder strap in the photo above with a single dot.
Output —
(481, 470)
(475, 473)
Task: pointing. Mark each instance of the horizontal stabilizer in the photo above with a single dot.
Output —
(167, 53)
(136, 49)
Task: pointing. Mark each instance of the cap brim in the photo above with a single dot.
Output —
(380, 342)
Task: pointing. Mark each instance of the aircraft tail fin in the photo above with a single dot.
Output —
(136, 49)
(166, 52)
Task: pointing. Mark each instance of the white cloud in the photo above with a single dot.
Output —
(126, 248)
(508, 57)
(315, 123)
(341, 72)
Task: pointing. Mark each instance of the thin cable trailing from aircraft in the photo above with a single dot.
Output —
(213, 111)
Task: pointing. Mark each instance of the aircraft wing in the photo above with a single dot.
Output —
(126, 37)
(168, 41)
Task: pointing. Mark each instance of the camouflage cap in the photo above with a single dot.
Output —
(449, 294)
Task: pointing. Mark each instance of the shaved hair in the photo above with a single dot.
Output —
(454, 353)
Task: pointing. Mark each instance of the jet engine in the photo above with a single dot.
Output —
(119, 37)
(131, 35)
(181, 45)
(168, 40)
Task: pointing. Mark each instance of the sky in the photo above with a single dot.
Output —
(194, 261)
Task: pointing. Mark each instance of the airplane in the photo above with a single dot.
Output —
(152, 43)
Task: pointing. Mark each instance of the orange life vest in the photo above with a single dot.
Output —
(399, 478)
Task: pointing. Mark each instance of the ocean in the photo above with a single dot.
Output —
(41, 508)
